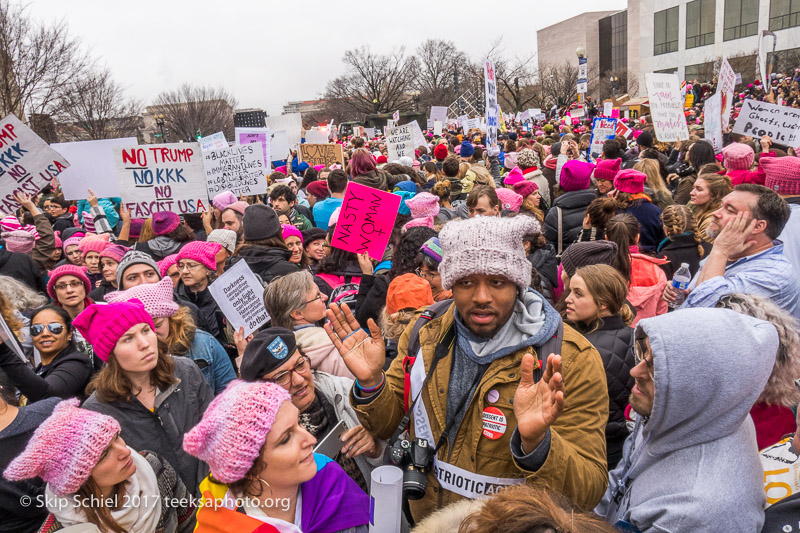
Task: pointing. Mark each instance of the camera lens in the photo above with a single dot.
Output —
(414, 483)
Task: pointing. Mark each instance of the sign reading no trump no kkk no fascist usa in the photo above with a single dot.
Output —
(365, 220)
(27, 163)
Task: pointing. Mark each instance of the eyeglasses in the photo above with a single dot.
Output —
(639, 355)
(71, 284)
(312, 300)
(284, 379)
(428, 275)
(56, 328)
(188, 266)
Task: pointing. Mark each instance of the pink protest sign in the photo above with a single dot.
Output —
(245, 136)
(365, 220)
(615, 113)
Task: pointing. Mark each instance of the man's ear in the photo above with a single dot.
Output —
(761, 227)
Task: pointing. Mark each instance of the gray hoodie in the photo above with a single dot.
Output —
(693, 465)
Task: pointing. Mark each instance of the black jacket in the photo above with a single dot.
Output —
(63, 222)
(545, 262)
(208, 312)
(681, 249)
(372, 298)
(266, 263)
(573, 207)
(65, 377)
(98, 293)
(22, 268)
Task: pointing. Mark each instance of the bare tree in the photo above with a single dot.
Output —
(627, 83)
(437, 72)
(515, 78)
(191, 110)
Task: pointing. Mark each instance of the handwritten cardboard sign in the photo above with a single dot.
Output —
(712, 113)
(245, 136)
(603, 129)
(161, 177)
(779, 122)
(213, 142)
(238, 295)
(401, 142)
(726, 86)
(366, 220)
(666, 106)
(239, 169)
(91, 166)
(27, 163)
(321, 154)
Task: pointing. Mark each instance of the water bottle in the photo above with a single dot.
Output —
(680, 282)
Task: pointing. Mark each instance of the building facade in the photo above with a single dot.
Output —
(557, 43)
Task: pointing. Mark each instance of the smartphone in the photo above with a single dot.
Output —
(332, 444)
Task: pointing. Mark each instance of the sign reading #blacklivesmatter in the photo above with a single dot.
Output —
(27, 163)
(321, 154)
(239, 169)
(366, 219)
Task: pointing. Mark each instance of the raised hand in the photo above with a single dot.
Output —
(91, 199)
(537, 405)
(125, 215)
(24, 199)
(364, 355)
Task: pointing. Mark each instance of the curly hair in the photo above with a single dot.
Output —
(679, 219)
(404, 256)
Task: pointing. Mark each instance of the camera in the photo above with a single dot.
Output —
(415, 457)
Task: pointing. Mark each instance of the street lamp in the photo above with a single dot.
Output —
(415, 98)
(581, 53)
(614, 80)
(160, 123)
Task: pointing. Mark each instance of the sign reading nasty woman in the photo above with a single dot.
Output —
(365, 220)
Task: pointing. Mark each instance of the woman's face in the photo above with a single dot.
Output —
(49, 343)
(161, 328)
(193, 274)
(56, 254)
(295, 246)
(70, 291)
(137, 349)
(700, 194)
(536, 197)
(299, 384)
(432, 277)
(221, 257)
(316, 250)
(108, 267)
(92, 262)
(314, 309)
(115, 465)
(74, 255)
(284, 220)
(288, 451)
(580, 304)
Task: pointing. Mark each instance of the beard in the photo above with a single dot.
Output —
(712, 232)
(643, 407)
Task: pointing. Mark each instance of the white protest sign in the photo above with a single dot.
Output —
(292, 124)
(712, 112)
(437, 127)
(462, 121)
(161, 177)
(279, 144)
(578, 112)
(27, 163)
(539, 116)
(472, 124)
(725, 87)
(439, 112)
(401, 141)
(396, 117)
(738, 78)
(370, 132)
(666, 106)
(608, 107)
(91, 167)
(239, 169)
(603, 129)
(245, 136)
(757, 119)
(238, 295)
(389, 123)
(490, 90)
(419, 138)
(525, 115)
(534, 111)
(316, 136)
(212, 142)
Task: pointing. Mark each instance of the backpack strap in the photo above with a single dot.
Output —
(433, 311)
(551, 345)
(560, 233)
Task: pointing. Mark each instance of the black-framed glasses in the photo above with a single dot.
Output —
(284, 379)
(56, 328)
(640, 353)
(312, 300)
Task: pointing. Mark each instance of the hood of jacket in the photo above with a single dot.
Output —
(164, 246)
(710, 366)
(260, 258)
(575, 199)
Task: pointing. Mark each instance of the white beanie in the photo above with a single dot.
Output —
(486, 245)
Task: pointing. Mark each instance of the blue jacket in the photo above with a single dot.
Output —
(108, 205)
(213, 361)
(651, 230)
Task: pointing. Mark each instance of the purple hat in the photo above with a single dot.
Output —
(165, 222)
(576, 175)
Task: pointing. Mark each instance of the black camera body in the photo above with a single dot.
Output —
(415, 458)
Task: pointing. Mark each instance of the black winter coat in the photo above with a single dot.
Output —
(573, 207)
(545, 262)
(651, 230)
(208, 312)
(349, 272)
(22, 268)
(682, 249)
(266, 263)
(98, 293)
(372, 297)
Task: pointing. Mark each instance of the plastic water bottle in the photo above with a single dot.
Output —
(680, 282)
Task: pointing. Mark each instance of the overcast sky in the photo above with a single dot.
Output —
(270, 52)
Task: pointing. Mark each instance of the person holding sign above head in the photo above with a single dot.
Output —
(263, 248)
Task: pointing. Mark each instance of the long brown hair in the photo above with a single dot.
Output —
(679, 219)
(111, 383)
(718, 188)
(147, 231)
(652, 169)
(607, 287)
(100, 515)
(181, 333)
(623, 229)
(600, 211)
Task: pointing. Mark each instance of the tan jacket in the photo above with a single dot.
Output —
(576, 463)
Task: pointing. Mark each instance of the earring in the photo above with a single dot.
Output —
(267, 484)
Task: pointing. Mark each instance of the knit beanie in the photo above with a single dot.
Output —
(75, 240)
(165, 264)
(94, 243)
(467, 149)
(65, 448)
(527, 158)
(156, 298)
(645, 139)
(115, 252)
(224, 237)
(486, 245)
(737, 156)
(424, 222)
(135, 257)
(12, 223)
(165, 222)
(223, 200)
(606, 169)
(239, 207)
(289, 230)
(424, 204)
(88, 222)
(57, 235)
(19, 241)
(432, 248)
(525, 188)
(313, 234)
(234, 428)
(440, 152)
(268, 350)
(260, 222)
(72, 232)
(576, 175)
(587, 253)
(67, 270)
(201, 251)
(783, 174)
(630, 181)
(408, 291)
(514, 177)
(318, 189)
(136, 228)
(103, 325)
(509, 200)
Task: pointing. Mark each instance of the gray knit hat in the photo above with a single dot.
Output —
(260, 222)
(135, 257)
(486, 245)
(225, 237)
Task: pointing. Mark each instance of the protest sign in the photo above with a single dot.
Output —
(437, 127)
(27, 163)
(213, 142)
(624, 130)
(239, 169)
(366, 220)
(9, 338)
(91, 166)
(279, 144)
(316, 136)
(238, 295)
(429, 124)
(369, 132)
(401, 141)
(666, 107)
(608, 107)
(577, 112)
(419, 138)
(439, 112)
(760, 118)
(245, 136)
(539, 116)
(472, 124)
(525, 116)
(292, 124)
(738, 78)
(396, 117)
(490, 90)
(726, 86)
(712, 111)
(462, 121)
(689, 101)
(161, 177)
(321, 154)
(603, 129)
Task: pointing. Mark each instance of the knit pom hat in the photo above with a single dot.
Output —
(423, 205)
(224, 237)
(67, 270)
(576, 175)
(587, 253)
(509, 200)
(234, 428)
(74, 240)
(737, 156)
(313, 234)
(432, 248)
(239, 207)
(165, 264)
(426, 222)
(135, 257)
(606, 169)
(440, 152)
(223, 200)
(103, 325)
(289, 230)
(165, 222)
(467, 149)
(486, 245)
(514, 177)
(156, 297)
(57, 235)
(525, 188)
(115, 252)
(630, 181)
(408, 291)
(381, 160)
(94, 243)
(318, 189)
(18, 241)
(404, 197)
(202, 252)
(260, 222)
(88, 222)
(783, 174)
(527, 158)
(65, 448)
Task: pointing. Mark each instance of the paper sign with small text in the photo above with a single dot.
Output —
(238, 295)
(757, 119)
(239, 169)
(245, 136)
(666, 107)
(401, 141)
(213, 142)
(603, 129)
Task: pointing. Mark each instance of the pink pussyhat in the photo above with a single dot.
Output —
(156, 297)
(509, 200)
(424, 204)
(103, 325)
(165, 264)
(426, 221)
(201, 251)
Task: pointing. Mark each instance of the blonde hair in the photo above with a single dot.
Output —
(652, 169)
(147, 231)
(679, 219)
(393, 325)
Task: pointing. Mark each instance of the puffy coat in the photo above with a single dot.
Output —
(647, 286)
(573, 207)
(266, 263)
(679, 249)
(651, 230)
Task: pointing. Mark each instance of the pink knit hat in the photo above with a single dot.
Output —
(576, 175)
(88, 222)
(202, 252)
(67, 270)
(606, 169)
(18, 241)
(75, 239)
(94, 243)
(514, 177)
(422, 205)
(223, 200)
(114, 252)
(167, 262)
(165, 222)
(103, 325)
(57, 235)
(239, 207)
(234, 428)
(291, 231)
(525, 188)
(737, 156)
(630, 181)
(65, 448)
(426, 222)
(783, 174)
(156, 297)
(509, 200)
(12, 223)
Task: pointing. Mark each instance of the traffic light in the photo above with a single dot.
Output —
(198, 134)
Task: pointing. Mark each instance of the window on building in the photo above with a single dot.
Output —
(667, 71)
(784, 14)
(666, 31)
(702, 72)
(741, 19)
(700, 23)
(619, 41)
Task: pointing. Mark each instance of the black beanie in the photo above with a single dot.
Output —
(268, 350)
(645, 139)
(260, 222)
(582, 254)
(313, 234)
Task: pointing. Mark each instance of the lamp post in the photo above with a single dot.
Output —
(160, 123)
(582, 77)
(415, 98)
(614, 80)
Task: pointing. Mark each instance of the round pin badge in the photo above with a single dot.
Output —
(493, 396)
(494, 423)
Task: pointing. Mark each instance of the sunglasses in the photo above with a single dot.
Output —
(56, 328)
